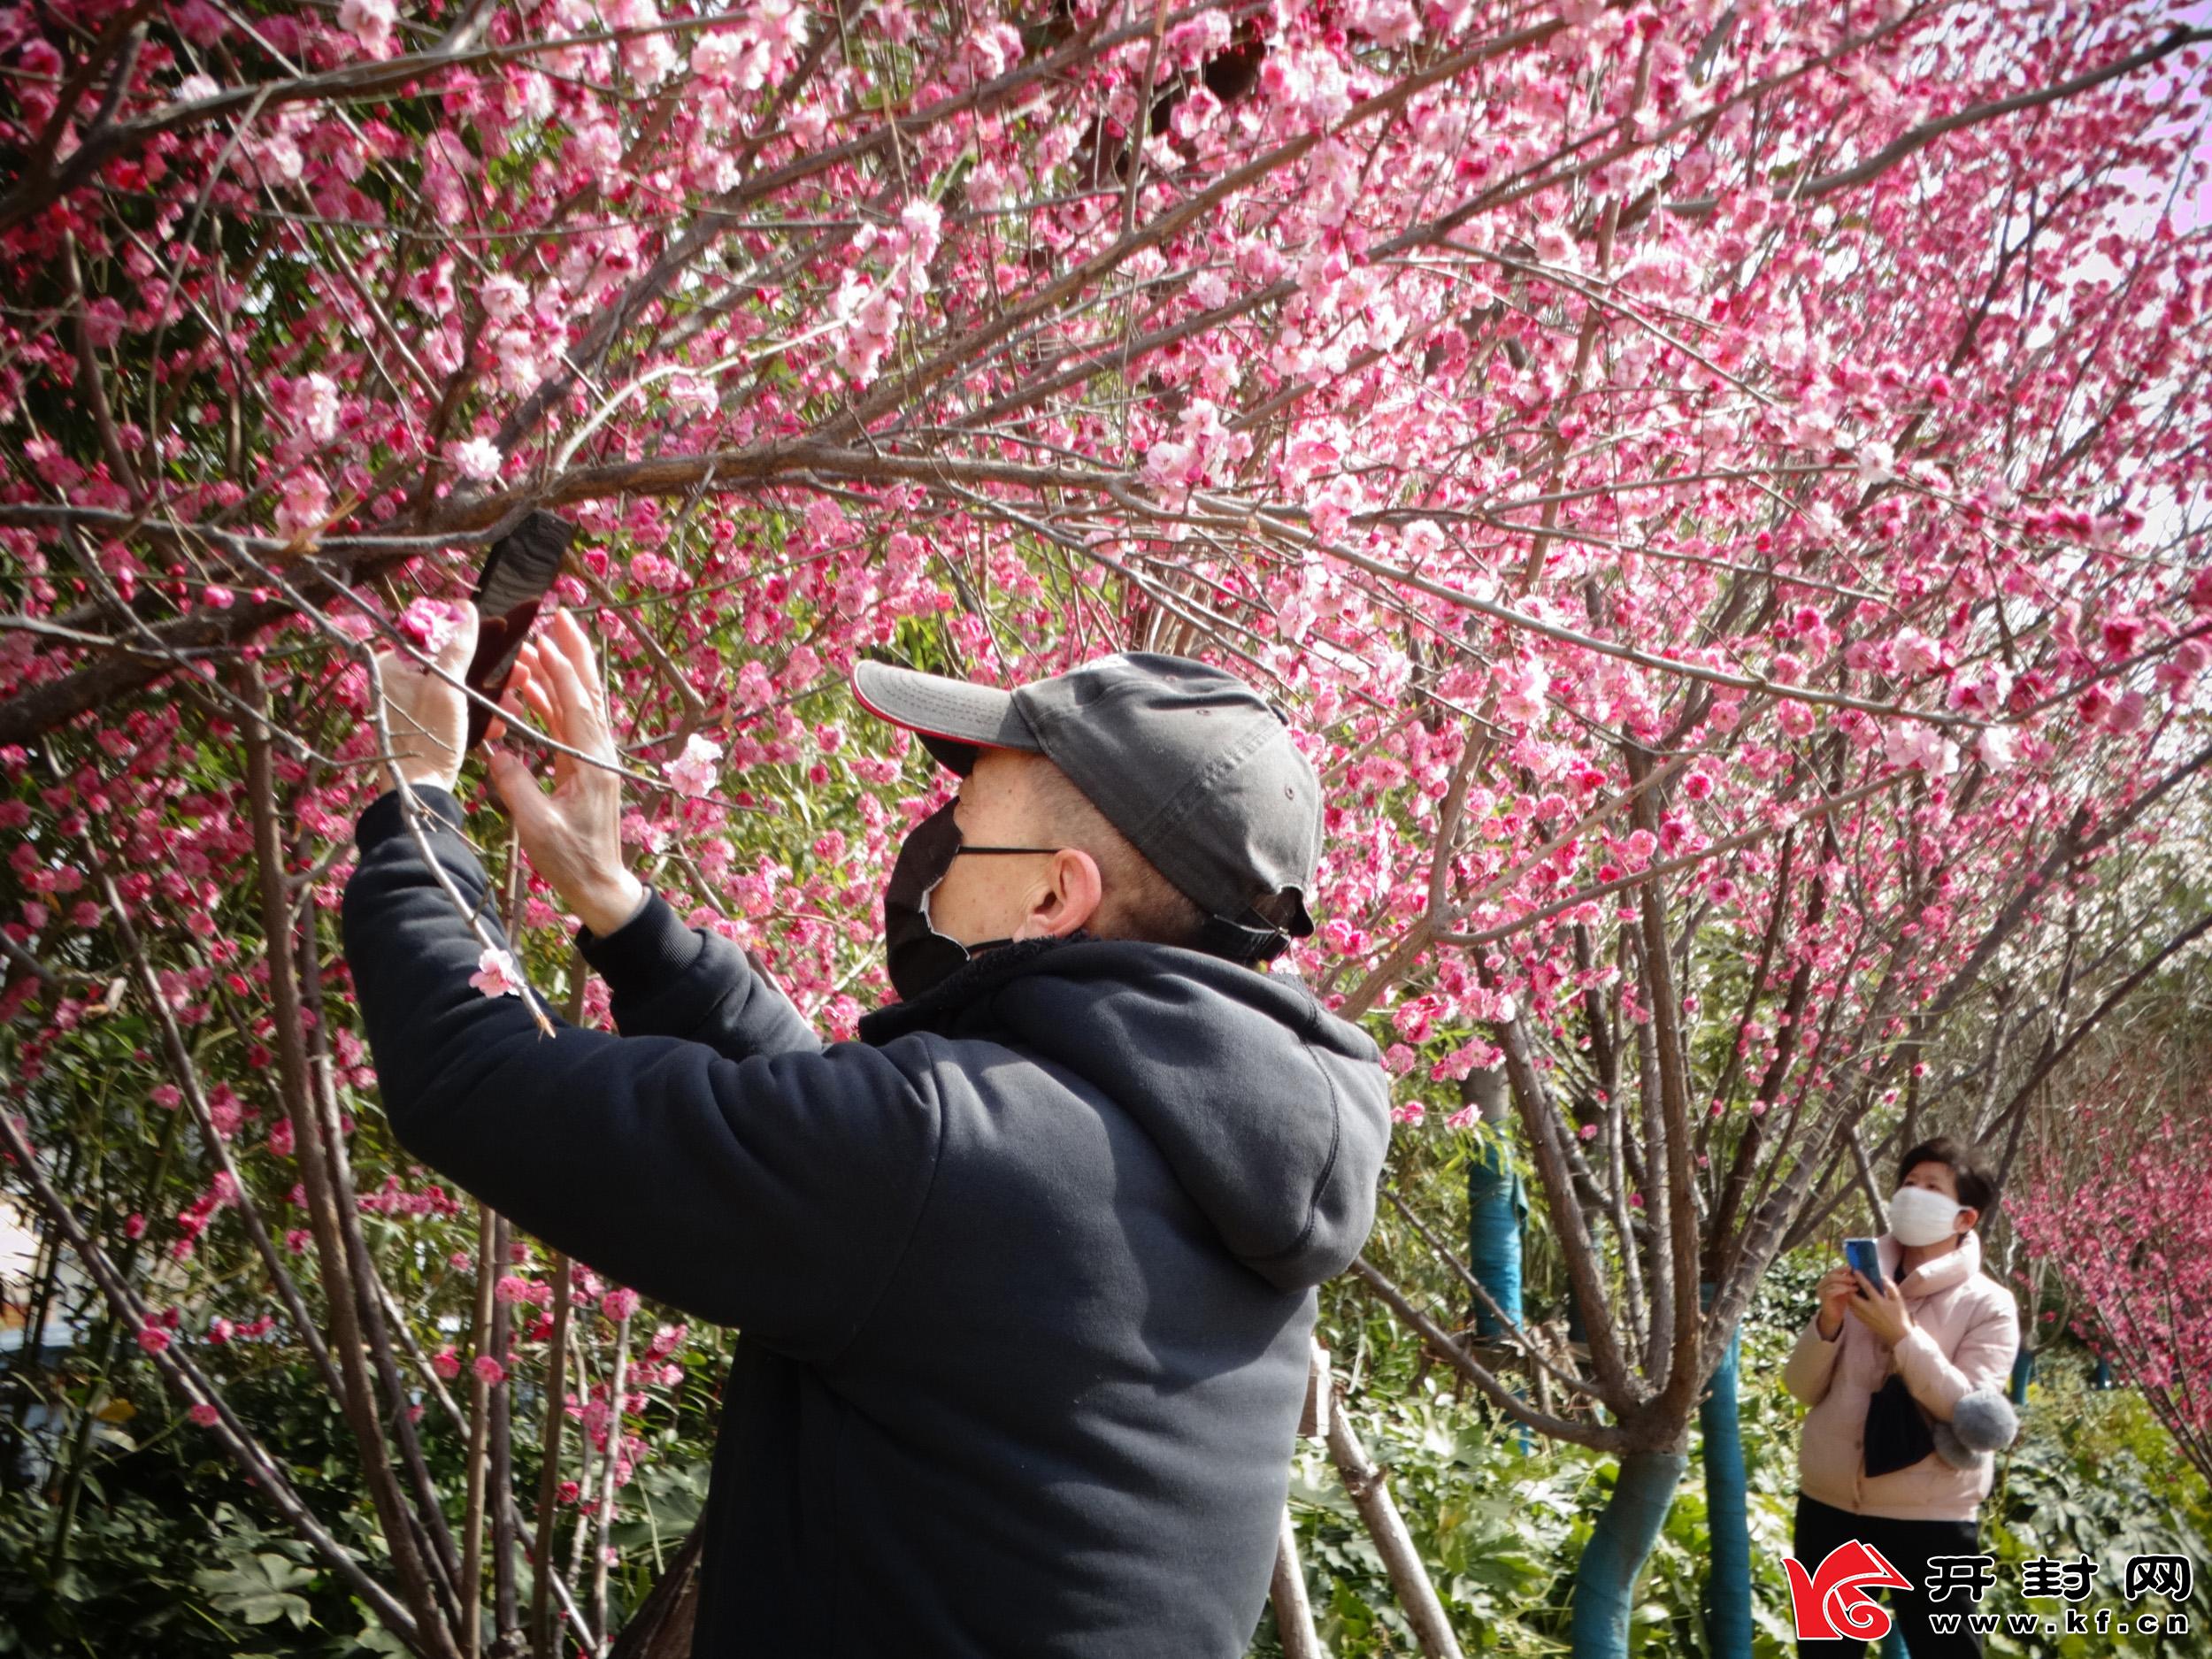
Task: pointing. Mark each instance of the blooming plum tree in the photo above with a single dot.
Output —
(1721, 486)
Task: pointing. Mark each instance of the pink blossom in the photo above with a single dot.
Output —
(2180, 670)
(1913, 743)
(489, 1370)
(2124, 713)
(496, 974)
(1912, 653)
(619, 1304)
(206, 1414)
(477, 458)
(370, 23)
(694, 771)
(303, 502)
(2120, 635)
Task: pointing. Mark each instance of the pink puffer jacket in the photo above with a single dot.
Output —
(1966, 1331)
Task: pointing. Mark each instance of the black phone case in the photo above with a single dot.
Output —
(518, 573)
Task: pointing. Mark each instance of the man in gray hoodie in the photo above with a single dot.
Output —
(1023, 1277)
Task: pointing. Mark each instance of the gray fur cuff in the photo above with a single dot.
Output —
(1982, 1422)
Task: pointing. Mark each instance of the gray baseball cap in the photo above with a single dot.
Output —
(1188, 761)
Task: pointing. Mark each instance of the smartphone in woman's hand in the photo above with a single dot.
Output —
(518, 573)
(1866, 1258)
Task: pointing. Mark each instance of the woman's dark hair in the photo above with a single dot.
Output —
(1976, 1182)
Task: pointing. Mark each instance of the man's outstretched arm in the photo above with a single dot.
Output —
(670, 979)
(775, 1192)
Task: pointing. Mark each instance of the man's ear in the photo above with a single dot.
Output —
(1068, 899)
(1973, 1215)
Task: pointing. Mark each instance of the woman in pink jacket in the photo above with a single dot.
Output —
(1947, 1333)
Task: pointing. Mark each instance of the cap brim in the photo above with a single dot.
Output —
(953, 718)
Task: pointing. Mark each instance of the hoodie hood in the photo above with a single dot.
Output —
(1273, 1113)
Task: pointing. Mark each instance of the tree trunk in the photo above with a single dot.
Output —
(1293, 1612)
(1605, 1578)
(661, 1627)
(1371, 1492)
(1494, 1203)
(1728, 1562)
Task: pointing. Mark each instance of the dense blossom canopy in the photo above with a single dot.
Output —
(1713, 482)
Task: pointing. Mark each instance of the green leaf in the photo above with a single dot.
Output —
(259, 1589)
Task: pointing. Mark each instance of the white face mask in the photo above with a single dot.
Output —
(1920, 1215)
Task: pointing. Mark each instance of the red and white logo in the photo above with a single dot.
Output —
(1835, 1604)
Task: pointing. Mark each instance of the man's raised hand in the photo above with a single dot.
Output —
(573, 835)
(426, 712)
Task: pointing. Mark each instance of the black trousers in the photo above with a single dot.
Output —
(1905, 1544)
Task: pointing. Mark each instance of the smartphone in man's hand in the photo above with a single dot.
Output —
(518, 573)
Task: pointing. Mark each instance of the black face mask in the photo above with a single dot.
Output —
(919, 956)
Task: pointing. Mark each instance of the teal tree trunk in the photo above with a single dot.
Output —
(1605, 1578)
(1728, 1564)
(2104, 1374)
(1497, 1205)
(2023, 1371)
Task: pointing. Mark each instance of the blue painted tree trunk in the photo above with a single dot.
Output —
(1728, 1565)
(2104, 1374)
(1894, 1644)
(1495, 1204)
(1605, 1578)
(2023, 1371)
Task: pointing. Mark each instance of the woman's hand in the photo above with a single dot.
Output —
(1881, 1311)
(1835, 1290)
(573, 836)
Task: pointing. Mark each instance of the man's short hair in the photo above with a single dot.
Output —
(1138, 902)
(1975, 1181)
